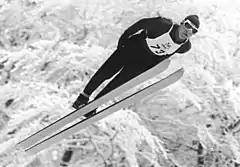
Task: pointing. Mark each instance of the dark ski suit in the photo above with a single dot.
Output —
(133, 56)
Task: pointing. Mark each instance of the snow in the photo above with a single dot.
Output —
(50, 49)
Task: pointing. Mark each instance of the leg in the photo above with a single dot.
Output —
(121, 78)
(113, 65)
(137, 62)
(125, 75)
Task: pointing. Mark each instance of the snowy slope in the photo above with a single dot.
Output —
(50, 49)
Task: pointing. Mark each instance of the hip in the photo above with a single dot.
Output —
(137, 47)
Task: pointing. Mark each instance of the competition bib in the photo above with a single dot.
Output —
(163, 44)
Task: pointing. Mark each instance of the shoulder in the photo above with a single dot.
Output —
(165, 21)
(159, 20)
(185, 47)
(188, 45)
(158, 25)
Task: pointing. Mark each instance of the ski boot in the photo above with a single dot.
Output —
(83, 99)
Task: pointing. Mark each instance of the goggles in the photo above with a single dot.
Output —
(189, 26)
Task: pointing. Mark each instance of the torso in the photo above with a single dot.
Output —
(165, 43)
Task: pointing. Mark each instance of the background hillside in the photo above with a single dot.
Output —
(50, 49)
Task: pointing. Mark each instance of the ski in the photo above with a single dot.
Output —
(153, 88)
(60, 123)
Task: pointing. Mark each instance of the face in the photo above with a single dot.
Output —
(186, 30)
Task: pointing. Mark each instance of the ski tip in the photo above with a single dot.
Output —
(181, 70)
(166, 61)
(178, 73)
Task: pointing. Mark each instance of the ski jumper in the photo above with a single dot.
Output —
(137, 53)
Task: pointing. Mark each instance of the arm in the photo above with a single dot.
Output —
(142, 25)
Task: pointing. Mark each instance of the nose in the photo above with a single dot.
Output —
(189, 32)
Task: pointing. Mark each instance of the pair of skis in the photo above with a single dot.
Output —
(51, 135)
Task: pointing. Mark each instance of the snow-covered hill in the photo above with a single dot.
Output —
(50, 49)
